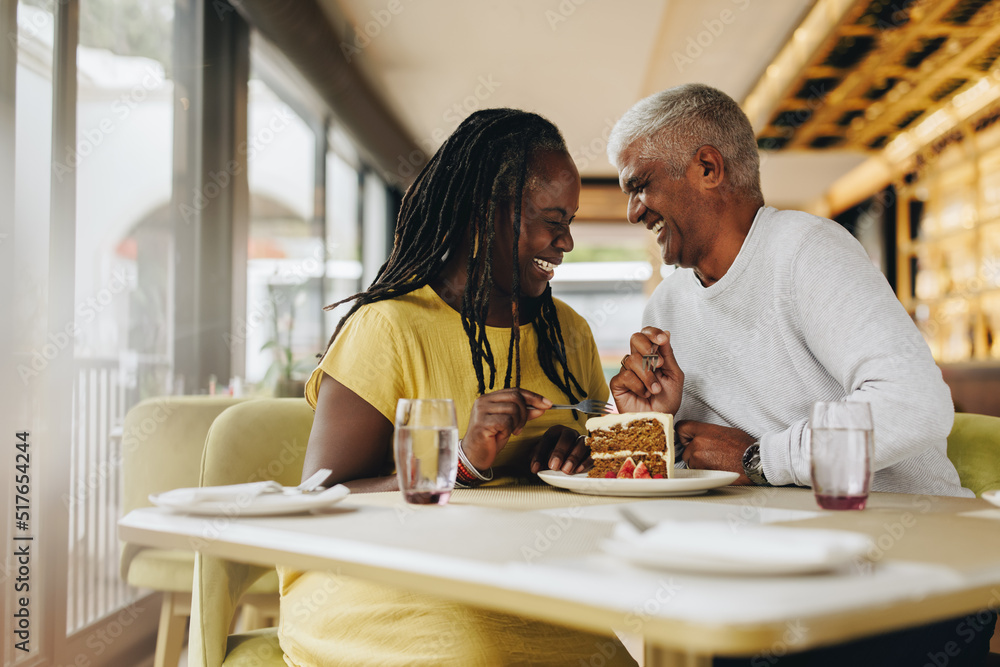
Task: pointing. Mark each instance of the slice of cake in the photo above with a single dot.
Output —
(622, 445)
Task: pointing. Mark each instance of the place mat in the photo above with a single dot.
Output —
(511, 497)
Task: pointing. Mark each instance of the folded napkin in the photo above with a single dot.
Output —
(720, 541)
(237, 493)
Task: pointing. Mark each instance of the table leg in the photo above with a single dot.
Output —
(657, 656)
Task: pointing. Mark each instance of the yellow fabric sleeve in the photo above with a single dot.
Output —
(415, 346)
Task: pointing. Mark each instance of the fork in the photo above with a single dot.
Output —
(639, 524)
(650, 361)
(309, 485)
(588, 406)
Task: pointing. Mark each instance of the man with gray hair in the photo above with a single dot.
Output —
(768, 312)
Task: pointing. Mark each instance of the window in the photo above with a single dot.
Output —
(343, 228)
(104, 194)
(607, 279)
(122, 162)
(286, 154)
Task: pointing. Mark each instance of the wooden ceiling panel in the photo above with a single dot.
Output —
(886, 66)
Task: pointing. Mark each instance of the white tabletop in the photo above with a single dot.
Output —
(935, 558)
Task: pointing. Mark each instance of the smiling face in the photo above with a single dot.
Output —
(551, 199)
(669, 207)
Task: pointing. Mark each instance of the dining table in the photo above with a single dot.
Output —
(547, 553)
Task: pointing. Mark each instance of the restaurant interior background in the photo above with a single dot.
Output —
(185, 183)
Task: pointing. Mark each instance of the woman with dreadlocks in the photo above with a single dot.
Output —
(462, 309)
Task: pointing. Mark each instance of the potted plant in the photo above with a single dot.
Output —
(284, 375)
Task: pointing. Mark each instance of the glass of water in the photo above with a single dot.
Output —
(842, 440)
(425, 442)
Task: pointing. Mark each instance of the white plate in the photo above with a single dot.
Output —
(658, 561)
(835, 549)
(992, 497)
(686, 483)
(266, 504)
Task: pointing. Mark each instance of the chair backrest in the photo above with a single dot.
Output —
(974, 448)
(247, 443)
(162, 444)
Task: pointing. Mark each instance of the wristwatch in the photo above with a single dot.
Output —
(752, 465)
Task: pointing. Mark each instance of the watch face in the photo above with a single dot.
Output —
(752, 466)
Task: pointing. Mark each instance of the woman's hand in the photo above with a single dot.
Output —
(561, 448)
(636, 389)
(495, 417)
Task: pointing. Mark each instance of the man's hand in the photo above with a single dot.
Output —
(651, 390)
(713, 447)
(561, 448)
(497, 416)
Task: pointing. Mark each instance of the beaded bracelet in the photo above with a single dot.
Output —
(468, 475)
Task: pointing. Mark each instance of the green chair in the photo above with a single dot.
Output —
(974, 448)
(162, 443)
(255, 441)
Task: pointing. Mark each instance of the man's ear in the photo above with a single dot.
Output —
(711, 167)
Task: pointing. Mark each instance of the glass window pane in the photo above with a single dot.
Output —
(28, 293)
(343, 271)
(606, 279)
(123, 165)
(32, 176)
(286, 254)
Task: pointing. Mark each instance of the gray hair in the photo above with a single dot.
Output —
(673, 124)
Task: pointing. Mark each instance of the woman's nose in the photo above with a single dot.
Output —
(564, 241)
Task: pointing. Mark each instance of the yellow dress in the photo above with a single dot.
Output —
(415, 346)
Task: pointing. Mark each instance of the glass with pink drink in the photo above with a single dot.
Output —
(842, 443)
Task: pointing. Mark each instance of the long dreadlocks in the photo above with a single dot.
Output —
(481, 166)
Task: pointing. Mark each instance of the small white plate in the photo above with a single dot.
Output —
(992, 497)
(686, 483)
(265, 504)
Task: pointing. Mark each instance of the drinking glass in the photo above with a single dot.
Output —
(842, 453)
(425, 443)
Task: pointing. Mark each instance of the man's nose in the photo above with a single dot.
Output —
(635, 210)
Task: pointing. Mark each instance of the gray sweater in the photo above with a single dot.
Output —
(801, 316)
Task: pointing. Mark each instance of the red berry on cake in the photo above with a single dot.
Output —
(625, 472)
